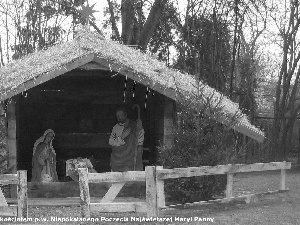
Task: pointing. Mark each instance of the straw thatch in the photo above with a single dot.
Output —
(44, 65)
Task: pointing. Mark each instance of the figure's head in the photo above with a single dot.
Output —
(49, 136)
(121, 115)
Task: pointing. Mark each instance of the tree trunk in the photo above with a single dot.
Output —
(151, 23)
(127, 11)
(113, 21)
(1, 54)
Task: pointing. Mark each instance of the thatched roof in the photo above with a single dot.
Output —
(44, 65)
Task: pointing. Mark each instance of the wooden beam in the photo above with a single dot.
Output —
(282, 179)
(160, 186)
(151, 192)
(8, 210)
(220, 169)
(8, 179)
(11, 140)
(168, 122)
(85, 199)
(172, 94)
(253, 198)
(229, 186)
(42, 78)
(116, 176)
(84, 140)
(22, 194)
(2, 199)
(119, 207)
(112, 192)
(93, 66)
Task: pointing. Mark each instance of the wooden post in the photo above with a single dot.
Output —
(282, 179)
(229, 186)
(11, 140)
(168, 122)
(299, 144)
(22, 194)
(84, 192)
(151, 192)
(160, 186)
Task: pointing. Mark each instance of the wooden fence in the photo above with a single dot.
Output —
(154, 178)
(21, 209)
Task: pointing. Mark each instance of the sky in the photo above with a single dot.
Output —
(99, 7)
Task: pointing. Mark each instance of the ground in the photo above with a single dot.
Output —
(273, 211)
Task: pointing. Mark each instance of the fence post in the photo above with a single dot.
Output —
(151, 192)
(160, 190)
(84, 192)
(282, 179)
(22, 194)
(229, 186)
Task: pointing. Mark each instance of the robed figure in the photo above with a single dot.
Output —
(44, 159)
(126, 139)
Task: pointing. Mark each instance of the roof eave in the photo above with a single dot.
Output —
(44, 77)
(171, 93)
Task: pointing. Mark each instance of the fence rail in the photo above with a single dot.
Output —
(116, 177)
(154, 178)
(20, 179)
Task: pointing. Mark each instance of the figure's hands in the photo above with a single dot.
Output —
(41, 160)
(139, 124)
(47, 153)
(125, 133)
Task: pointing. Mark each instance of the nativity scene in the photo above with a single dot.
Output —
(75, 88)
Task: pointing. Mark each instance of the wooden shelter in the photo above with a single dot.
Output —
(75, 87)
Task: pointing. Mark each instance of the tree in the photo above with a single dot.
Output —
(136, 30)
(206, 51)
(248, 65)
(285, 105)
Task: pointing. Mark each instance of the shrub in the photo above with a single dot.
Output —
(199, 141)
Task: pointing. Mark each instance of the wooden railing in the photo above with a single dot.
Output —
(19, 179)
(154, 178)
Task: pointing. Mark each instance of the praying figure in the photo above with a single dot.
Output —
(126, 139)
(44, 159)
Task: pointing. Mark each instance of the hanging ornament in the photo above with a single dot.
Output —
(133, 88)
(6, 105)
(146, 99)
(9, 101)
(24, 94)
(125, 89)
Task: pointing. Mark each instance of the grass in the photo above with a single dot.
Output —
(271, 211)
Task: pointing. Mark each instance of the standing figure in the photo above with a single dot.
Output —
(44, 159)
(126, 139)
